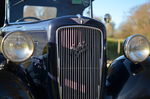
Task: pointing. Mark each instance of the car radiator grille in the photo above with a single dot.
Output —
(79, 54)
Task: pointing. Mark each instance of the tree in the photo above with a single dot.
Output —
(138, 22)
(110, 28)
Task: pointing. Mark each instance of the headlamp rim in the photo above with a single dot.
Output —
(126, 46)
(2, 46)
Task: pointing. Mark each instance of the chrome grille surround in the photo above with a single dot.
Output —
(76, 88)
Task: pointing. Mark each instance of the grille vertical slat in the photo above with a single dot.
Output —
(79, 52)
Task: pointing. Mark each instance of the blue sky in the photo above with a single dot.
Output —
(119, 9)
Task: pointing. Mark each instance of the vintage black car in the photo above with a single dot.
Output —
(50, 51)
(53, 49)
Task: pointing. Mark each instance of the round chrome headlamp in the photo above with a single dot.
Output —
(17, 46)
(136, 48)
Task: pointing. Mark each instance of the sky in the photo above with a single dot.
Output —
(119, 9)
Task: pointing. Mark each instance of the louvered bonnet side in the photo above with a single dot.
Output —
(80, 56)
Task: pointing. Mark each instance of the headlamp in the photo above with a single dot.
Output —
(17, 46)
(136, 48)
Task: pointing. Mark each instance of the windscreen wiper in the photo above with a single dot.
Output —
(20, 1)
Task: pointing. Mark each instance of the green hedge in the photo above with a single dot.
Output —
(112, 48)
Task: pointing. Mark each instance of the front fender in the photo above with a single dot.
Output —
(146, 64)
(138, 86)
(119, 72)
(11, 87)
(117, 76)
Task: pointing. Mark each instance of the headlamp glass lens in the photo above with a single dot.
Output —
(17, 46)
(137, 48)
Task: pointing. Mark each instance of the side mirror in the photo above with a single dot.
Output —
(2, 12)
(107, 18)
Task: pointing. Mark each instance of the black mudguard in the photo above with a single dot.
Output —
(118, 74)
(12, 87)
(138, 86)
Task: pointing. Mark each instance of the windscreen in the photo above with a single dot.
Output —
(44, 9)
(40, 12)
